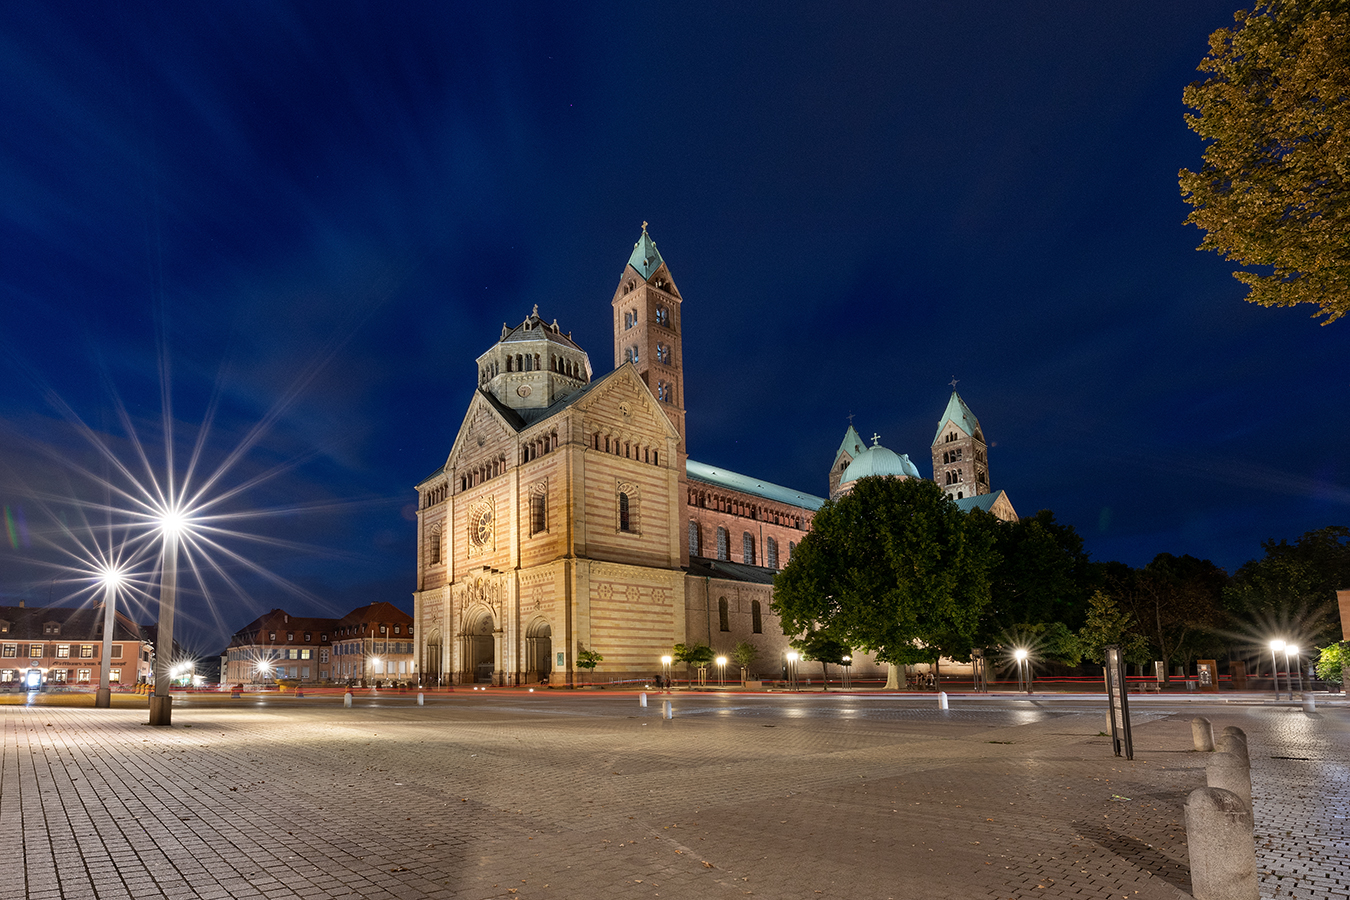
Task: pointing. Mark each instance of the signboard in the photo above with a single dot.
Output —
(1118, 702)
(562, 657)
(1207, 674)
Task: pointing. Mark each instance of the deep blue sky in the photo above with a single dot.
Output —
(320, 214)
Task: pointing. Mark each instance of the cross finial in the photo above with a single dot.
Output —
(850, 420)
(876, 439)
(536, 310)
(644, 226)
(953, 382)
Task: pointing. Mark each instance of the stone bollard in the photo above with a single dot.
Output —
(347, 699)
(1222, 848)
(642, 699)
(1202, 733)
(1234, 742)
(942, 700)
(668, 712)
(1309, 702)
(421, 701)
(299, 693)
(1231, 772)
(235, 695)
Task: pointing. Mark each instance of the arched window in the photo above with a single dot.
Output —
(625, 524)
(748, 548)
(538, 512)
(693, 538)
(756, 618)
(434, 546)
(792, 545)
(771, 553)
(723, 544)
(723, 620)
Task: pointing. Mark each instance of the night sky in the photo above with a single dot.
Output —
(306, 221)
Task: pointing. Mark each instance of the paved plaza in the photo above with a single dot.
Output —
(507, 794)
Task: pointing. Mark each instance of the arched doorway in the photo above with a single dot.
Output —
(431, 660)
(480, 652)
(538, 651)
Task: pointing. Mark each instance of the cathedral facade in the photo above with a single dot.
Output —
(568, 517)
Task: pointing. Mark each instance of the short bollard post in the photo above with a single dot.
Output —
(1222, 848)
(1202, 733)
(299, 693)
(421, 701)
(234, 693)
(347, 699)
(942, 700)
(1309, 702)
(668, 712)
(1235, 744)
(1231, 772)
(642, 699)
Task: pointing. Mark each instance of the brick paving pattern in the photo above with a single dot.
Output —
(511, 795)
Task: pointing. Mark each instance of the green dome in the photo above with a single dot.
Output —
(877, 460)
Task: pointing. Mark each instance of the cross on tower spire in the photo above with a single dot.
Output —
(953, 382)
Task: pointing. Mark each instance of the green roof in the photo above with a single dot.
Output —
(979, 501)
(645, 258)
(707, 474)
(877, 460)
(958, 412)
(852, 444)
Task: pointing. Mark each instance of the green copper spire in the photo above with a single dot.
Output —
(646, 258)
(958, 412)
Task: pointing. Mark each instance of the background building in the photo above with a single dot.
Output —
(64, 646)
(371, 642)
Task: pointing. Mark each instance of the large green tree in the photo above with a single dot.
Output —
(1274, 191)
(1290, 593)
(1177, 602)
(892, 567)
(1042, 575)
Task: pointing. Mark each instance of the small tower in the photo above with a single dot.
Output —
(647, 329)
(533, 365)
(850, 448)
(960, 460)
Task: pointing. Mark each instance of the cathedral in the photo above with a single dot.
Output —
(568, 516)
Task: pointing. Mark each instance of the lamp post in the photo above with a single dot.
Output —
(161, 704)
(1275, 647)
(1023, 680)
(665, 670)
(722, 671)
(1292, 650)
(848, 664)
(112, 577)
(792, 658)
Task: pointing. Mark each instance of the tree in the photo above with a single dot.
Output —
(1331, 662)
(743, 654)
(824, 648)
(892, 567)
(1177, 602)
(1043, 576)
(1108, 624)
(588, 660)
(1290, 593)
(693, 655)
(1275, 112)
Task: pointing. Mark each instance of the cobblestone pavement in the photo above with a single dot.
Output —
(549, 795)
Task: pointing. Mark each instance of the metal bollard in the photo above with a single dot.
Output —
(1231, 772)
(1202, 733)
(1222, 848)
(642, 699)
(420, 699)
(1309, 702)
(347, 699)
(668, 712)
(942, 700)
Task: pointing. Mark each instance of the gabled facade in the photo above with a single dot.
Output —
(65, 646)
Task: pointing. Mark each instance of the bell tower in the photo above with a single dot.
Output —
(647, 329)
(960, 456)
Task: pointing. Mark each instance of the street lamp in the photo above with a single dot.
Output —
(665, 669)
(1275, 647)
(171, 522)
(111, 577)
(848, 664)
(792, 658)
(1023, 680)
(1292, 650)
(722, 670)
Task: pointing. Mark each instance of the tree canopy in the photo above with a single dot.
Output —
(1290, 593)
(1274, 190)
(892, 567)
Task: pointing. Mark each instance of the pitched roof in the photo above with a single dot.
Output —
(534, 328)
(84, 623)
(645, 257)
(958, 412)
(985, 502)
(701, 567)
(852, 444)
(707, 474)
(379, 611)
